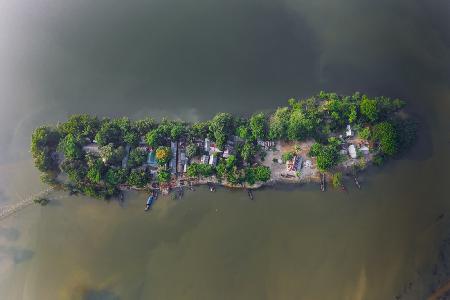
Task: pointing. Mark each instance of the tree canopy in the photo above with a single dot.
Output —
(322, 118)
(386, 135)
(163, 155)
(222, 128)
(258, 126)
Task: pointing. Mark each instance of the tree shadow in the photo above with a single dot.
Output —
(10, 234)
(100, 295)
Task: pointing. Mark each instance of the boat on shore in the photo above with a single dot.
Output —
(150, 200)
(250, 194)
(211, 187)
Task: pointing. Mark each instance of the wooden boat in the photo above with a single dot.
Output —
(357, 183)
(322, 183)
(149, 202)
(250, 194)
(211, 186)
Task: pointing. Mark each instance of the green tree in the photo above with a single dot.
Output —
(244, 132)
(248, 151)
(337, 179)
(154, 138)
(222, 128)
(71, 147)
(199, 131)
(163, 155)
(115, 176)
(369, 109)
(111, 155)
(250, 176)
(80, 126)
(192, 150)
(136, 157)
(131, 137)
(75, 169)
(144, 126)
(109, 133)
(364, 133)
(163, 176)
(95, 170)
(205, 170)
(262, 173)
(353, 114)
(286, 156)
(259, 127)
(315, 149)
(301, 125)
(327, 158)
(177, 131)
(386, 135)
(138, 178)
(193, 170)
(44, 141)
(279, 123)
(327, 155)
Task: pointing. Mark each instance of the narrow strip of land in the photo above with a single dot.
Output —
(7, 211)
(437, 294)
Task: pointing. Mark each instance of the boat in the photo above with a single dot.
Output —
(212, 188)
(357, 182)
(149, 202)
(250, 194)
(322, 183)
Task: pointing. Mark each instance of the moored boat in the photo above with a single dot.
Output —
(149, 202)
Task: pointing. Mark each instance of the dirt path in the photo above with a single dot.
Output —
(440, 292)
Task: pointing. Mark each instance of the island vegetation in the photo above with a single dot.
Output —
(327, 133)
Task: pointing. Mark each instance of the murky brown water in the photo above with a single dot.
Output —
(190, 60)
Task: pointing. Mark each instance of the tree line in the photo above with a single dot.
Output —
(318, 117)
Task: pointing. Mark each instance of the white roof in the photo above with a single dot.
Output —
(352, 151)
(348, 132)
(212, 160)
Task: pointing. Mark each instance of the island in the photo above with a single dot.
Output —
(317, 139)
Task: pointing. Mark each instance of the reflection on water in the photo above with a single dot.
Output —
(189, 60)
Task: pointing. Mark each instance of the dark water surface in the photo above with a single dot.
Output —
(189, 60)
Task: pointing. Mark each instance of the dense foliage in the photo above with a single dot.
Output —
(327, 154)
(98, 170)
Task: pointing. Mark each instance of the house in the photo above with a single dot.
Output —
(125, 158)
(182, 160)
(364, 150)
(308, 164)
(237, 139)
(295, 164)
(207, 145)
(348, 131)
(226, 153)
(91, 148)
(229, 150)
(173, 160)
(299, 163)
(213, 160)
(266, 144)
(214, 149)
(151, 159)
(352, 151)
(205, 159)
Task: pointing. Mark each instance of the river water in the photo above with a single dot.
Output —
(189, 60)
